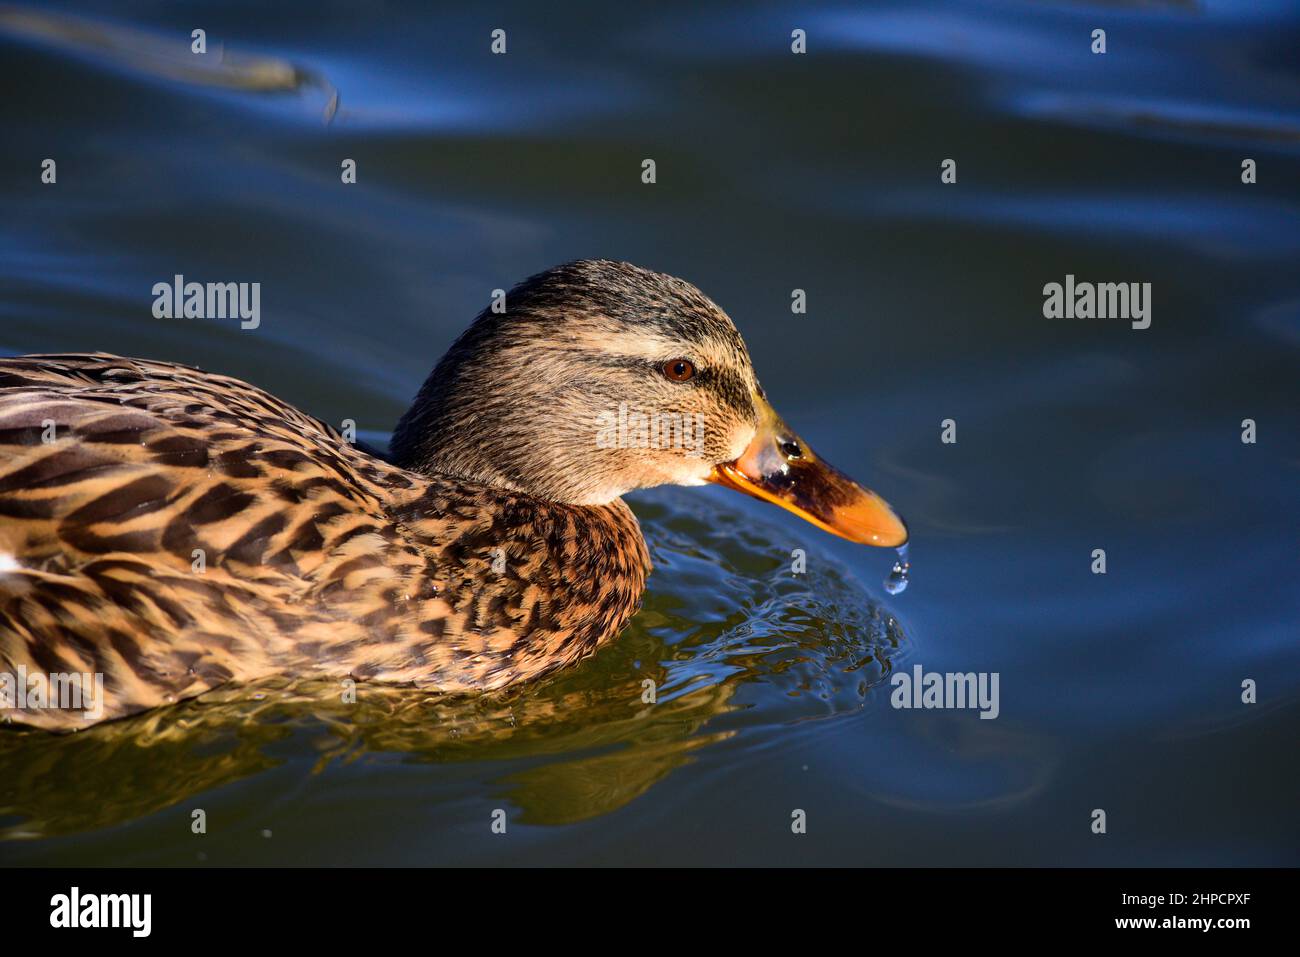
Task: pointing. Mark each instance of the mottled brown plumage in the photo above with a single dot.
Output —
(176, 530)
(317, 558)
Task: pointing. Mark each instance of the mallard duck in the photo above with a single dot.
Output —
(174, 530)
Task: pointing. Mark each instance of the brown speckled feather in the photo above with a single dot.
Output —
(317, 558)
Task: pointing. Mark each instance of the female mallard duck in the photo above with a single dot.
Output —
(175, 530)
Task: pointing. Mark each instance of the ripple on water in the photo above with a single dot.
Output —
(727, 606)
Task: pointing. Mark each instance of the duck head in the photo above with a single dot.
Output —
(597, 378)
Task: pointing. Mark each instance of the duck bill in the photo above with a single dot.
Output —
(780, 468)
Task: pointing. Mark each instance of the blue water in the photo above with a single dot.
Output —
(1120, 692)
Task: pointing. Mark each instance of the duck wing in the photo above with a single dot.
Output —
(160, 525)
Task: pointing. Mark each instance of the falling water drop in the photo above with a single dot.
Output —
(897, 580)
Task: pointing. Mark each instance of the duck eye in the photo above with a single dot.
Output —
(679, 370)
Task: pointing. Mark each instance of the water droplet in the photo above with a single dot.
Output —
(897, 580)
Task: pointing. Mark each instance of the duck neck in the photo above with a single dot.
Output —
(589, 561)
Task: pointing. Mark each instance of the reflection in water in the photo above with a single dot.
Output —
(732, 640)
(1194, 120)
(162, 57)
